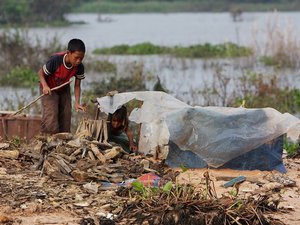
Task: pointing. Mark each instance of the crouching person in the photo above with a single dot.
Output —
(119, 132)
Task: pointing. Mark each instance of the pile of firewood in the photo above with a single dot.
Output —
(65, 156)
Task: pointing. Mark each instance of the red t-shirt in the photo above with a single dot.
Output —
(57, 72)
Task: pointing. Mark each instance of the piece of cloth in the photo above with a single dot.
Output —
(57, 72)
(56, 111)
(120, 139)
(148, 180)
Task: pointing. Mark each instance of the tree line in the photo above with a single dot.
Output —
(33, 12)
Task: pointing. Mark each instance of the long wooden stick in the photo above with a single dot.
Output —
(35, 100)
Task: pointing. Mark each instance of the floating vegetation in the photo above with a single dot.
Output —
(194, 51)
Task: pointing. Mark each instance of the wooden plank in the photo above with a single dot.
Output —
(97, 153)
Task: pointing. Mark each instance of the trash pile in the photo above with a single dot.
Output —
(99, 183)
(83, 179)
(63, 171)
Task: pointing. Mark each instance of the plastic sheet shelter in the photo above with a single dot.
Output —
(215, 135)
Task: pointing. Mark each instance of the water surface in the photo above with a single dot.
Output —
(184, 78)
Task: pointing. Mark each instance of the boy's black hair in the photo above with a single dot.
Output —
(121, 115)
(76, 45)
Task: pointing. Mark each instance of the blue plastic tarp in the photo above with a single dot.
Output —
(268, 157)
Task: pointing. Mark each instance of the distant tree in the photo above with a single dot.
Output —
(32, 11)
(13, 11)
(51, 10)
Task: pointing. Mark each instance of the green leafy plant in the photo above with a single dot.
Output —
(183, 168)
(168, 187)
(16, 141)
(145, 192)
(290, 147)
(169, 191)
(139, 187)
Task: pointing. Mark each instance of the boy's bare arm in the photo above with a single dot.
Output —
(46, 88)
(77, 91)
(132, 145)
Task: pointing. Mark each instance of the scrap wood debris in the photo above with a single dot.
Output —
(62, 172)
(82, 160)
(182, 204)
(197, 211)
(88, 178)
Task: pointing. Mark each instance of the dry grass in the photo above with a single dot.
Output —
(279, 45)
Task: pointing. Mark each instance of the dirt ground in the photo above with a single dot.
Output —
(259, 182)
(28, 198)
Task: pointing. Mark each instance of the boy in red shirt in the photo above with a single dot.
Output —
(56, 105)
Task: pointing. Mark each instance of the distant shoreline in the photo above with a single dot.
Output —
(182, 6)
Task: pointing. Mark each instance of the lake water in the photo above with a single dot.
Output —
(169, 29)
(184, 78)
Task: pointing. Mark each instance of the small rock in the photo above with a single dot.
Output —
(272, 186)
(74, 143)
(91, 187)
(4, 145)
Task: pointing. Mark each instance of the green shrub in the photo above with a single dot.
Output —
(133, 82)
(290, 147)
(268, 61)
(207, 50)
(19, 50)
(116, 50)
(146, 49)
(260, 93)
(101, 66)
(138, 49)
(123, 84)
(20, 77)
(279, 61)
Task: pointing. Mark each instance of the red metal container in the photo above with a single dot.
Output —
(22, 126)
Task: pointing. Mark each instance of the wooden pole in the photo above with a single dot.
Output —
(35, 100)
